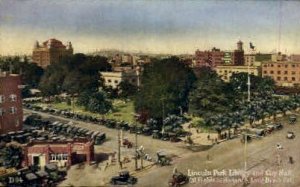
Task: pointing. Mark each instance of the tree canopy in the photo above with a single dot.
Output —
(94, 102)
(165, 87)
(210, 95)
(74, 74)
(31, 73)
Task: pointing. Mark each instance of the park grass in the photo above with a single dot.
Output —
(121, 110)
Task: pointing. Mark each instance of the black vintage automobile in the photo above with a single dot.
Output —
(124, 178)
(178, 179)
(292, 119)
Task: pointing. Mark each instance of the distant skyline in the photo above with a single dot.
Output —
(173, 27)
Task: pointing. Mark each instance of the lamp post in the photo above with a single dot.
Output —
(136, 141)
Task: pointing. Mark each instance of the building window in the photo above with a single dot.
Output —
(278, 78)
(271, 72)
(278, 72)
(13, 110)
(265, 72)
(65, 156)
(272, 65)
(52, 157)
(17, 122)
(13, 98)
(293, 79)
(293, 73)
(108, 80)
(116, 81)
(293, 65)
(285, 72)
(286, 66)
(1, 111)
(285, 78)
(1, 98)
(279, 66)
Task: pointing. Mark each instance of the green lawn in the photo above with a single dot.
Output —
(121, 110)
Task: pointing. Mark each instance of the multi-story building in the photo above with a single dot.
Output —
(51, 51)
(295, 58)
(249, 59)
(283, 73)
(225, 72)
(129, 74)
(238, 55)
(127, 59)
(211, 58)
(227, 59)
(278, 57)
(11, 112)
(62, 153)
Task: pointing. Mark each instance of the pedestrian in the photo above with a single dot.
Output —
(208, 137)
(279, 146)
(291, 160)
(207, 157)
(278, 160)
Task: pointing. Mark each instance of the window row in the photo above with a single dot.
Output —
(279, 72)
(12, 98)
(285, 79)
(12, 110)
(116, 81)
(59, 156)
(281, 65)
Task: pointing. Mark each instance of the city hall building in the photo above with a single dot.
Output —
(11, 112)
(61, 153)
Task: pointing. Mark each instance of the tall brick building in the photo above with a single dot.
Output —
(50, 51)
(238, 55)
(11, 113)
(211, 58)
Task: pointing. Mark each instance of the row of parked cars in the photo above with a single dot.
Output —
(24, 136)
(269, 128)
(59, 131)
(114, 124)
(34, 177)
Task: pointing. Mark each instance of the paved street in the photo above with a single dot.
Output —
(262, 156)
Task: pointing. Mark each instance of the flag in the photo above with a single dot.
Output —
(252, 46)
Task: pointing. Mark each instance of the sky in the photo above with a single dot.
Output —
(150, 25)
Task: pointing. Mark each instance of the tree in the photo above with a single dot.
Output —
(12, 156)
(31, 73)
(96, 102)
(74, 74)
(165, 87)
(208, 97)
(126, 89)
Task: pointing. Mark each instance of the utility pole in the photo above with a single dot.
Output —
(163, 116)
(119, 150)
(136, 153)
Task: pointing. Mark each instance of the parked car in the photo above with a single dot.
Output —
(292, 119)
(290, 135)
(124, 178)
(278, 126)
